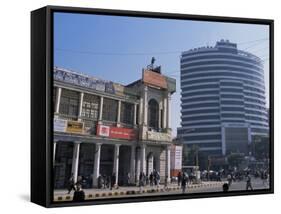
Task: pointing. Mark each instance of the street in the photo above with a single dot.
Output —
(211, 186)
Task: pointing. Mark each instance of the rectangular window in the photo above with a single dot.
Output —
(69, 103)
(90, 106)
(110, 108)
(127, 113)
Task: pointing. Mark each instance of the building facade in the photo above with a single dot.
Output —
(223, 99)
(105, 128)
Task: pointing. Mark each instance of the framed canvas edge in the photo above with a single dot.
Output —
(49, 115)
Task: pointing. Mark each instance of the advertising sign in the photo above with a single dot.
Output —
(60, 125)
(176, 157)
(155, 79)
(74, 127)
(103, 130)
(116, 132)
(83, 80)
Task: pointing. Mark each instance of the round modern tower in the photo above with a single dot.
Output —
(223, 99)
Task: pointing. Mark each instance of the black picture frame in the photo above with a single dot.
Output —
(42, 110)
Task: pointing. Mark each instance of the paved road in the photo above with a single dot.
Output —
(235, 186)
(205, 187)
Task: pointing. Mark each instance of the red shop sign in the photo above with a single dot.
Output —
(116, 132)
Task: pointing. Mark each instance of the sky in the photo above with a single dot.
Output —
(117, 48)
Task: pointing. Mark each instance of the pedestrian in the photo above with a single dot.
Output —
(157, 179)
(265, 178)
(104, 178)
(166, 183)
(113, 179)
(128, 178)
(71, 184)
(146, 180)
(79, 194)
(108, 181)
(183, 183)
(179, 178)
(248, 182)
(187, 179)
(229, 179)
(100, 182)
(141, 180)
(151, 179)
(225, 187)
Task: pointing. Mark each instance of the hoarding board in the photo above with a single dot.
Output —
(154, 79)
(116, 132)
(74, 127)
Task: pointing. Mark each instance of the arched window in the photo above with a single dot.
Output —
(153, 114)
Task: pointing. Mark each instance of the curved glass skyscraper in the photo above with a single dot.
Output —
(223, 99)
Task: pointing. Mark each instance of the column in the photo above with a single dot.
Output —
(168, 123)
(145, 105)
(160, 117)
(80, 106)
(168, 163)
(75, 160)
(116, 162)
(57, 110)
(141, 111)
(138, 163)
(101, 108)
(143, 159)
(165, 102)
(135, 114)
(96, 173)
(133, 163)
(54, 152)
(150, 161)
(119, 113)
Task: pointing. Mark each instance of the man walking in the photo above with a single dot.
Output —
(179, 178)
(183, 183)
(71, 184)
(151, 179)
(229, 179)
(79, 194)
(113, 179)
(248, 182)
(141, 180)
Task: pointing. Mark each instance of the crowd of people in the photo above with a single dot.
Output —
(153, 179)
(107, 182)
(246, 175)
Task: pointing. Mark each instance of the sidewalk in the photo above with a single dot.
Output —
(61, 195)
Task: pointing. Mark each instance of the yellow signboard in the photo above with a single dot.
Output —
(74, 127)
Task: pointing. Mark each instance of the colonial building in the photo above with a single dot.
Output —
(102, 127)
